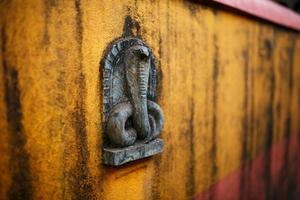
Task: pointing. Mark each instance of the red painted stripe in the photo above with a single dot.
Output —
(282, 178)
(267, 10)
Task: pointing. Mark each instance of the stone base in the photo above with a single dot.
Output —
(119, 156)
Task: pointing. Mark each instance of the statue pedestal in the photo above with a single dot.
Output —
(120, 156)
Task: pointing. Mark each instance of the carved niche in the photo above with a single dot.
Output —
(132, 118)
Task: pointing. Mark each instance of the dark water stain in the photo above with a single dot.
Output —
(251, 126)
(79, 27)
(159, 69)
(135, 7)
(270, 129)
(48, 6)
(190, 184)
(215, 83)
(215, 11)
(245, 127)
(21, 186)
(213, 6)
(291, 54)
(156, 179)
(81, 184)
(157, 159)
(268, 49)
(245, 122)
(159, 166)
(131, 27)
(159, 74)
(285, 176)
(193, 6)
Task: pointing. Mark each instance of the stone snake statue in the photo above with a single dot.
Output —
(130, 101)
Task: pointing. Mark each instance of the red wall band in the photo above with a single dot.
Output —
(267, 10)
(269, 175)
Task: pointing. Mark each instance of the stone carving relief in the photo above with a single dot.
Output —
(132, 118)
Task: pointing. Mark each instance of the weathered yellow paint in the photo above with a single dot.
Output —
(225, 88)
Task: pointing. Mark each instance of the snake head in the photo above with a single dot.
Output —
(137, 69)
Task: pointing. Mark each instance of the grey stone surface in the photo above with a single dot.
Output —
(132, 118)
(139, 150)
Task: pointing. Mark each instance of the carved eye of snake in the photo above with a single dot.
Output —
(147, 115)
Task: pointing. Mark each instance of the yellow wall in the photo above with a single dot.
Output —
(225, 90)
